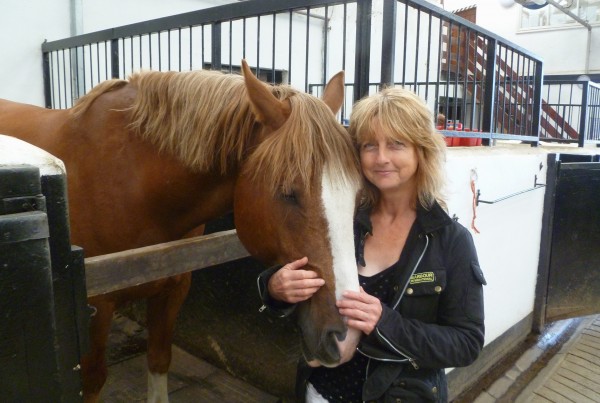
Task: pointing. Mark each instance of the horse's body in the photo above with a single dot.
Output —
(142, 169)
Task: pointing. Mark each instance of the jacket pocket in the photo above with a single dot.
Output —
(411, 390)
(422, 295)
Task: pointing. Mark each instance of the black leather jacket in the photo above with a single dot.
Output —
(435, 320)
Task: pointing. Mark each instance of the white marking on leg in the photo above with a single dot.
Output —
(158, 391)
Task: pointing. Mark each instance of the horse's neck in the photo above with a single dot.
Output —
(32, 124)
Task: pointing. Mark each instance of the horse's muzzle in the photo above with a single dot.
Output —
(325, 337)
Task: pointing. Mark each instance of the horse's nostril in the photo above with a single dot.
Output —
(338, 335)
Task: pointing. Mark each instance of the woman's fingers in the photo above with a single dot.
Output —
(362, 310)
(293, 284)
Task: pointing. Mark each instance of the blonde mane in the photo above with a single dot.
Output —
(205, 119)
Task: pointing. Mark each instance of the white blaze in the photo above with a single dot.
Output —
(339, 198)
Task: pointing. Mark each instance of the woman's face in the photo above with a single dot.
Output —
(388, 164)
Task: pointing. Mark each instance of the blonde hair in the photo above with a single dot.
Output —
(405, 117)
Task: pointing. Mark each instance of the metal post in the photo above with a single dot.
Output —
(536, 113)
(363, 48)
(47, 80)
(388, 42)
(583, 115)
(216, 46)
(114, 57)
(489, 109)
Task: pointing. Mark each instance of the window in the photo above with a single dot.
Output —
(551, 16)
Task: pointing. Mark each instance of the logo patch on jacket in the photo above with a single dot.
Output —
(426, 277)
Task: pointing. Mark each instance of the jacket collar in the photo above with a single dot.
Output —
(429, 220)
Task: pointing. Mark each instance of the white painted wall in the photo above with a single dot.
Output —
(563, 50)
(24, 25)
(508, 242)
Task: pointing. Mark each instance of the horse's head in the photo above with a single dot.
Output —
(296, 197)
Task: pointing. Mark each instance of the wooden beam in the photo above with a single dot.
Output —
(116, 271)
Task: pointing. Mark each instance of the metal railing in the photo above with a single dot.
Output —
(481, 83)
(570, 112)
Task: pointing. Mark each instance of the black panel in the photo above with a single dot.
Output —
(574, 278)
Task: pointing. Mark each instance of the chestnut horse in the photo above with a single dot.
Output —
(151, 159)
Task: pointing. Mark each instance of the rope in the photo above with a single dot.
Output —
(473, 227)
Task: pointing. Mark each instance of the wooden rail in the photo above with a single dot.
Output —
(115, 271)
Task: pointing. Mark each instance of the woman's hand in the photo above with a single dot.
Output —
(292, 284)
(362, 310)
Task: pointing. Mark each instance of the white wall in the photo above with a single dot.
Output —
(508, 242)
(24, 25)
(563, 50)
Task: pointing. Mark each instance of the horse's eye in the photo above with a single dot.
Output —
(289, 197)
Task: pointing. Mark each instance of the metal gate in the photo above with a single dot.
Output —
(571, 285)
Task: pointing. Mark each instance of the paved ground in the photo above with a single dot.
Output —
(571, 374)
(567, 372)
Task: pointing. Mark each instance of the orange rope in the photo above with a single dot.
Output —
(474, 207)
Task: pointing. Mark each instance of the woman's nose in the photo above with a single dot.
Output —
(382, 155)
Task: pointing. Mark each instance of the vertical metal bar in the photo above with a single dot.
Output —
(465, 79)
(159, 39)
(140, 52)
(388, 42)
(416, 72)
(84, 69)
(363, 48)
(47, 80)
(244, 39)
(519, 98)
(230, 47)
(537, 101)
(202, 58)
(343, 116)
(216, 46)
(428, 60)
(527, 87)
(65, 81)
(273, 45)
(344, 33)
(98, 70)
(114, 58)
(457, 74)
(179, 54)
(448, 71)
(405, 43)
(490, 85)
(150, 49)
(583, 118)
(191, 48)
(290, 51)
(325, 44)
(307, 47)
(439, 68)
(258, 46)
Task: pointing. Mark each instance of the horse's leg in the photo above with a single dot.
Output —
(93, 364)
(162, 310)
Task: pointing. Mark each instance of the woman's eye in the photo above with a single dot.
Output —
(368, 146)
(396, 144)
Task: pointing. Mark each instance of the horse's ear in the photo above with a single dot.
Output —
(333, 95)
(268, 110)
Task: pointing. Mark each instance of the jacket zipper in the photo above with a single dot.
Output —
(408, 358)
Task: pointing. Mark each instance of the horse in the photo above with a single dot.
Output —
(152, 158)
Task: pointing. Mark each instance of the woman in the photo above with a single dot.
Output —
(420, 306)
